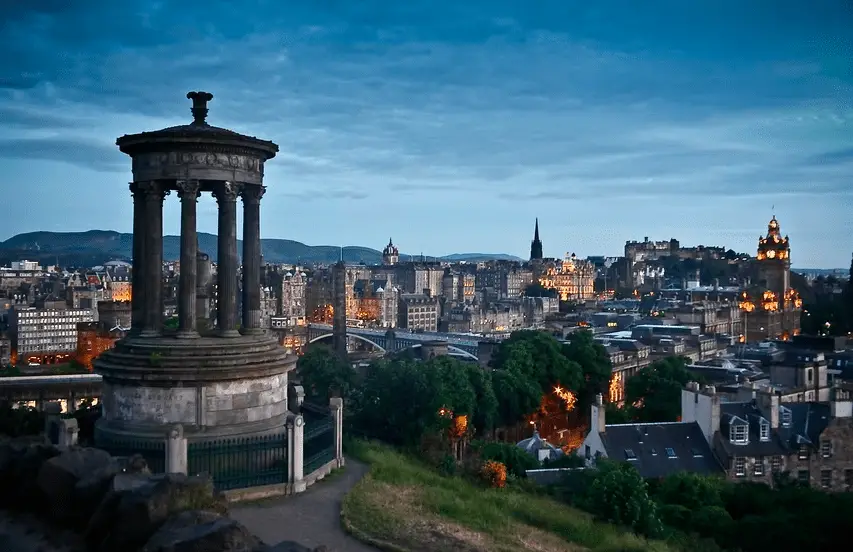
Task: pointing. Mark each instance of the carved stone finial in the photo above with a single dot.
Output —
(199, 109)
(176, 431)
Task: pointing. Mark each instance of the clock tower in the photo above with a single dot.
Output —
(773, 261)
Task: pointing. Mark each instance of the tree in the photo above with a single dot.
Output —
(620, 495)
(324, 374)
(595, 366)
(517, 396)
(538, 356)
(655, 391)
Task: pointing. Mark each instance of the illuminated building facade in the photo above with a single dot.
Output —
(42, 336)
(93, 338)
(573, 278)
(292, 297)
(772, 307)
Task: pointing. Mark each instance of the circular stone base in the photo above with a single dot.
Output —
(215, 387)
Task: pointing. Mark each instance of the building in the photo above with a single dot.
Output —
(771, 306)
(654, 449)
(760, 437)
(573, 278)
(292, 298)
(390, 255)
(93, 338)
(418, 312)
(536, 244)
(41, 336)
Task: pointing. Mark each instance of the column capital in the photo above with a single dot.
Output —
(150, 189)
(252, 194)
(227, 191)
(188, 189)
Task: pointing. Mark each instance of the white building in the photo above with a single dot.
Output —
(45, 331)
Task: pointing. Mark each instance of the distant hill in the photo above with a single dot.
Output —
(97, 246)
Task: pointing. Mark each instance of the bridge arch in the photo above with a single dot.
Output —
(453, 348)
(356, 336)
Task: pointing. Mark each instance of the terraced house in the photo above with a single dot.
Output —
(760, 438)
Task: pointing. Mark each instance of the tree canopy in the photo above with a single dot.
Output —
(594, 362)
(324, 374)
(654, 393)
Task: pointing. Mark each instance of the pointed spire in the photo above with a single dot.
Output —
(536, 230)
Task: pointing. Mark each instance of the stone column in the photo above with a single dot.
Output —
(137, 317)
(176, 450)
(155, 192)
(68, 433)
(226, 272)
(252, 258)
(188, 191)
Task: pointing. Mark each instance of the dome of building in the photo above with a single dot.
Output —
(540, 448)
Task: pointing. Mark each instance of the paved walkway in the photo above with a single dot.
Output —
(312, 518)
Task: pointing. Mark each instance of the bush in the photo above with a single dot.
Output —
(517, 461)
(494, 474)
(619, 495)
(18, 422)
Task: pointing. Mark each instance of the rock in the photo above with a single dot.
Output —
(200, 531)
(20, 462)
(58, 481)
(127, 518)
(89, 492)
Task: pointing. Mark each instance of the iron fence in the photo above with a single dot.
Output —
(242, 462)
(318, 442)
(154, 452)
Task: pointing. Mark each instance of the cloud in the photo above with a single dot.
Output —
(432, 103)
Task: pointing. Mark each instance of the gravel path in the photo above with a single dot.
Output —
(312, 518)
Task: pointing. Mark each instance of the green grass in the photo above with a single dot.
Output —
(409, 505)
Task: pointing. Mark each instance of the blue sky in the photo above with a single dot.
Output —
(451, 125)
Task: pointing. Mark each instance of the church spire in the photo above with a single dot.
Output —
(536, 244)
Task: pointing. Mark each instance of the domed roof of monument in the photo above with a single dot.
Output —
(194, 133)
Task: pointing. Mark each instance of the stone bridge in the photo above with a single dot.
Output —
(396, 340)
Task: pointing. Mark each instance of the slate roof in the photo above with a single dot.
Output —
(808, 420)
(661, 449)
(534, 444)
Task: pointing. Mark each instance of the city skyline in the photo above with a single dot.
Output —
(451, 128)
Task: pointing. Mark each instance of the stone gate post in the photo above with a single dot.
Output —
(336, 408)
(295, 452)
(176, 450)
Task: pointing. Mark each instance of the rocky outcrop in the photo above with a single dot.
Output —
(117, 504)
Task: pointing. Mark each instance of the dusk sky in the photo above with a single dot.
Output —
(451, 125)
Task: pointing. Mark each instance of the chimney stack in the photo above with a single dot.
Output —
(841, 406)
(597, 415)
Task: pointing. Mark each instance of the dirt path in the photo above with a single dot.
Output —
(312, 518)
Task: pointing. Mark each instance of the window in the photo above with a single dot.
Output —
(785, 414)
(826, 448)
(740, 466)
(803, 454)
(764, 430)
(629, 454)
(586, 451)
(696, 453)
(739, 433)
(803, 476)
(776, 464)
(670, 453)
(759, 466)
(825, 478)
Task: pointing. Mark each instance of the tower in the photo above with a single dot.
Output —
(339, 315)
(536, 244)
(390, 255)
(774, 260)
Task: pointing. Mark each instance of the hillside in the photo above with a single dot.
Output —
(97, 246)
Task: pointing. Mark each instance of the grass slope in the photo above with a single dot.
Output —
(404, 505)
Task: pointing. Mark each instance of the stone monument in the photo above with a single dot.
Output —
(216, 384)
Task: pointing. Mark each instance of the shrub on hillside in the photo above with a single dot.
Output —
(494, 474)
(517, 461)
